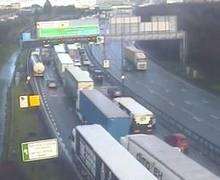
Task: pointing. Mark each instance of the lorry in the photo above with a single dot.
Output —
(136, 57)
(38, 67)
(93, 107)
(75, 80)
(63, 61)
(100, 157)
(143, 120)
(73, 51)
(46, 56)
(163, 160)
(60, 48)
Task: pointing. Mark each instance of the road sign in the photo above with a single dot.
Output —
(100, 40)
(67, 28)
(23, 101)
(39, 150)
(106, 63)
(34, 101)
(26, 36)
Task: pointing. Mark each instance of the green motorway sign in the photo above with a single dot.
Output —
(39, 150)
(69, 28)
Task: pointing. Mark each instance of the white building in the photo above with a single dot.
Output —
(83, 4)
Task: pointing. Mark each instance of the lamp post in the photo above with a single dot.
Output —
(122, 83)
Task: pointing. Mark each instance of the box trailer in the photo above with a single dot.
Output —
(136, 57)
(75, 80)
(60, 48)
(164, 161)
(100, 157)
(95, 108)
(143, 120)
(63, 61)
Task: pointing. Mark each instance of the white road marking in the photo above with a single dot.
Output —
(151, 91)
(167, 90)
(187, 111)
(205, 101)
(214, 116)
(188, 102)
(183, 90)
(171, 103)
(197, 119)
(193, 116)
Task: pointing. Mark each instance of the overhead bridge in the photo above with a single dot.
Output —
(157, 29)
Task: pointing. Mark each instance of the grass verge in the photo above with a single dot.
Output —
(25, 125)
(6, 50)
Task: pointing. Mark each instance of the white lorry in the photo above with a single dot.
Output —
(136, 57)
(75, 80)
(143, 120)
(164, 161)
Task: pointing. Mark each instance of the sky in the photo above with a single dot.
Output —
(40, 2)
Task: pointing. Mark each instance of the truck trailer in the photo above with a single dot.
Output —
(93, 107)
(75, 80)
(136, 57)
(143, 120)
(163, 160)
(63, 61)
(100, 157)
(38, 67)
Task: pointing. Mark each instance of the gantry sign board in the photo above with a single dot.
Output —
(67, 28)
(39, 150)
(29, 101)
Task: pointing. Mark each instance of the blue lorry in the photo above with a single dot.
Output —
(95, 108)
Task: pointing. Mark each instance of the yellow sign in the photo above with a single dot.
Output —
(34, 101)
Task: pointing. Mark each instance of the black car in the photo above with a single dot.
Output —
(114, 92)
(97, 75)
(91, 68)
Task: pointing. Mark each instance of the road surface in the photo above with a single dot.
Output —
(194, 107)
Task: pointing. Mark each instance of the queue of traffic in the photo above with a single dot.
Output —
(105, 136)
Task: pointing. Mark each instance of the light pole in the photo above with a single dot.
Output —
(122, 83)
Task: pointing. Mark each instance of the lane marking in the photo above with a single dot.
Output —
(193, 116)
(188, 102)
(183, 90)
(167, 90)
(214, 116)
(187, 111)
(205, 101)
(171, 103)
(197, 119)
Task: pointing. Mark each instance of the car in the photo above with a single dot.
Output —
(51, 84)
(97, 75)
(91, 67)
(86, 62)
(81, 51)
(178, 140)
(114, 92)
(77, 62)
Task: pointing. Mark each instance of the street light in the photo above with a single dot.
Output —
(28, 79)
(122, 83)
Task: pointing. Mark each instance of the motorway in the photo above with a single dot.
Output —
(59, 113)
(194, 107)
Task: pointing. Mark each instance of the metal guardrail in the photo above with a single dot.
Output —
(205, 146)
(48, 116)
(163, 35)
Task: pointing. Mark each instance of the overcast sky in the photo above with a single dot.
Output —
(40, 2)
